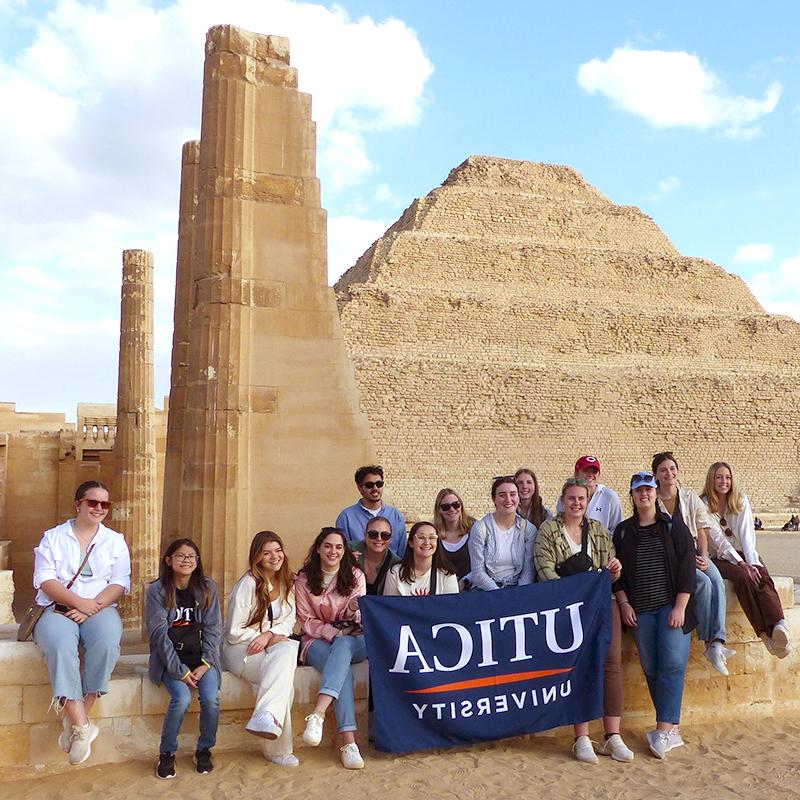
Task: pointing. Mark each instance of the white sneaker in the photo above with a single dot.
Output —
(351, 757)
(675, 739)
(289, 760)
(616, 748)
(313, 733)
(716, 658)
(583, 750)
(263, 725)
(780, 637)
(81, 738)
(658, 742)
(66, 734)
(727, 652)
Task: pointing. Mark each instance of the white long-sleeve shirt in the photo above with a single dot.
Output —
(743, 539)
(242, 603)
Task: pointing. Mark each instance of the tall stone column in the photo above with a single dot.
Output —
(134, 509)
(184, 299)
(273, 429)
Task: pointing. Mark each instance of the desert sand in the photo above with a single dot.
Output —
(747, 759)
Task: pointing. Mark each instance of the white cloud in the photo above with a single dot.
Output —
(754, 253)
(104, 95)
(778, 289)
(673, 89)
(669, 184)
(348, 238)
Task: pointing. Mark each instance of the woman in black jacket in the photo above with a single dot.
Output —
(654, 595)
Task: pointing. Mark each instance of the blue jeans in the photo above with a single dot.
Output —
(59, 639)
(180, 696)
(333, 660)
(709, 603)
(663, 653)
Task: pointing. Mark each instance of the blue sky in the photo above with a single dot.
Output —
(688, 110)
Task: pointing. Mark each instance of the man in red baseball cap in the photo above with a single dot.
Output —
(604, 505)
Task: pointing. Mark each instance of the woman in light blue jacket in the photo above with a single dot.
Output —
(501, 543)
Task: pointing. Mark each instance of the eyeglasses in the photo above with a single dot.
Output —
(373, 484)
(418, 538)
(455, 506)
(723, 523)
(104, 504)
(382, 535)
(183, 558)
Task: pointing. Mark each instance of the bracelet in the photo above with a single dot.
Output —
(623, 603)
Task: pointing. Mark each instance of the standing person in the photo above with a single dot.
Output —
(654, 595)
(530, 499)
(373, 555)
(604, 505)
(184, 627)
(453, 524)
(569, 544)
(709, 591)
(353, 519)
(81, 568)
(501, 543)
(733, 548)
(327, 590)
(257, 647)
(423, 570)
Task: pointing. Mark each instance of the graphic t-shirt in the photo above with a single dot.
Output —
(185, 632)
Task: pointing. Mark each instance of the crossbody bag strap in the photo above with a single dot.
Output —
(584, 536)
(83, 564)
(433, 580)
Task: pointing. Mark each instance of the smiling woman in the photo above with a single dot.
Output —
(424, 569)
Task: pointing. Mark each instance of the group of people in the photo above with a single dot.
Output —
(666, 561)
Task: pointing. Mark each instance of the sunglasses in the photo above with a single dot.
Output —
(723, 523)
(455, 506)
(104, 504)
(383, 535)
(373, 484)
(503, 478)
(576, 482)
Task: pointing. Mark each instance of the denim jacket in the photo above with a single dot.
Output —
(483, 553)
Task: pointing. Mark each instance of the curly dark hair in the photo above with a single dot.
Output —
(312, 566)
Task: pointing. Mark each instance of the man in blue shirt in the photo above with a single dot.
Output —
(353, 519)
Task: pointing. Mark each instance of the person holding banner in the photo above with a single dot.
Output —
(569, 544)
(501, 543)
(327, 589)
(453, 524)
(423, 570)
(257, 646)
(654, 596)
(373, 554)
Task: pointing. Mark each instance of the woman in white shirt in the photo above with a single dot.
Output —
(257, 647)
(423, 569)
(733, 547)
(96, 561)
(501, 543)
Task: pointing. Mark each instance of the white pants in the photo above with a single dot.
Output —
(271, 674)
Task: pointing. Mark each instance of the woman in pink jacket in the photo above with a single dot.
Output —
(326, 592)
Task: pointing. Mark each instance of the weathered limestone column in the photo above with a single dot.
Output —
(272, 427)
(134, 509)
(173, 462)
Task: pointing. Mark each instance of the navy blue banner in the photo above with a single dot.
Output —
(453, 669)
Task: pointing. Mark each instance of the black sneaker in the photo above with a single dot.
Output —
(166, 765)
(203, 762)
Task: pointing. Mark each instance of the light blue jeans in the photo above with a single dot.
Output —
(59, 638)
(709, 603)
(180, 695)
(333, 660)
(663, 653)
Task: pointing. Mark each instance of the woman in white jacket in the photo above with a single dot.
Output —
(257, 647)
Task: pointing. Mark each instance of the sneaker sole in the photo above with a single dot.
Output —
(354, 766)
(780, 640)
(164, 777)
(92, 737)
(312, 742)
(263, 734)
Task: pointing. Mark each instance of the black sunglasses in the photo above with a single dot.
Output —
(383, 535)
(373, 484)
(455, 505)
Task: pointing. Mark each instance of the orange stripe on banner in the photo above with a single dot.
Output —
(497, 680)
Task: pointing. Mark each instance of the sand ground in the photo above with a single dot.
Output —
(752, 759)
(781, 552)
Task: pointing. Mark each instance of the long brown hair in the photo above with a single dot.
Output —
(464, 522)
(283, 577)
(536, 509)
(198, 582)
(312, 566)
(439, 560)
(733, 500)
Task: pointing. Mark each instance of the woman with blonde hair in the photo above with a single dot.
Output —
(257, 647)
(733, 548)
(530, 499)
(453, 525)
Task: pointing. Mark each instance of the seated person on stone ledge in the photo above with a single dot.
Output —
(81, 568)
(453, 524)
(256, 645)
(501, 543)
(604, 505)
(184, 626)
(424, 569)
(353, 519)
(373, 554)
(733, 548)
